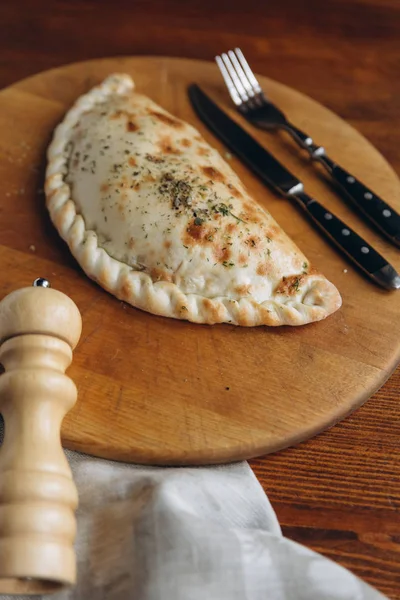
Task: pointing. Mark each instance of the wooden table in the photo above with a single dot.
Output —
(339, 493)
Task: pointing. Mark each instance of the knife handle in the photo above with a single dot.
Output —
(354, 246)
(383, 216)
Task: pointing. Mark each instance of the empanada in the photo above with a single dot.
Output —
(158, 218)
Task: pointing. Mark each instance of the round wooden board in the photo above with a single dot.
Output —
(154, 390)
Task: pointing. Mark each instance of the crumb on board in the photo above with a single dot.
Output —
(344, 270)
(32, 248)
(228, 155)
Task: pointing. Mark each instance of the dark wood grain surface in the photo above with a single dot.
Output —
(339, 493)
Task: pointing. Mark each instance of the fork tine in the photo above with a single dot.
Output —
(241, 74)
(235, 79)
(249, 73)
(228, 81)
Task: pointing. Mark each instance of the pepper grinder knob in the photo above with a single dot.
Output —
(39, 328)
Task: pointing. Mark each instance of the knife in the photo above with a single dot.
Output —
(275, 175)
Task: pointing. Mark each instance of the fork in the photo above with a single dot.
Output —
(252, 103)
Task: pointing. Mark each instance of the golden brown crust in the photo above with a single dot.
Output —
(156, 216)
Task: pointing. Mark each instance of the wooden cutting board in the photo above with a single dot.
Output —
(159, 391)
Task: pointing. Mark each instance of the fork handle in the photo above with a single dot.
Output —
(372, 206)
(349, 242)
(305, 141)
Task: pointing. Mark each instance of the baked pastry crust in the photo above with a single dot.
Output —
(157, 217)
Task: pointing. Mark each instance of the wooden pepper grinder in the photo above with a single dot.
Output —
(39, 327)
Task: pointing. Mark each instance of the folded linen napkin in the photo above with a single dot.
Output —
(201, 533)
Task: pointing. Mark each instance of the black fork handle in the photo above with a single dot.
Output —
(383, 216)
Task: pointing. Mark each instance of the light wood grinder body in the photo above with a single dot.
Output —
(39, 328)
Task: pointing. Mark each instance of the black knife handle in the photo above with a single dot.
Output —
(354, 246)
(372, 206)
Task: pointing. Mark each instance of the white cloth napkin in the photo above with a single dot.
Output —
(204, 533)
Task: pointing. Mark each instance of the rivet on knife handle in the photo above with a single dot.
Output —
(372, 206)
(277, 176)
(354, 246)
